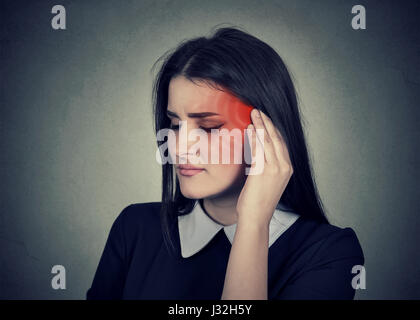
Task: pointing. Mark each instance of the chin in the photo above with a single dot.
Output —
(193, 193)
(201, 191)
(196, 189)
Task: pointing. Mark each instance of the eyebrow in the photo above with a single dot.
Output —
(193, 114)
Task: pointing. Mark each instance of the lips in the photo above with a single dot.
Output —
(189, 170)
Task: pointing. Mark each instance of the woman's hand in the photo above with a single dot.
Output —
(261, 192)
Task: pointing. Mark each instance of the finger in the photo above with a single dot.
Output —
(285, 150)
(285, 156)
(268, 144)
(252, 143)
(274, 135)
(258, 160)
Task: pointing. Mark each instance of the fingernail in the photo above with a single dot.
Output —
(257, 113)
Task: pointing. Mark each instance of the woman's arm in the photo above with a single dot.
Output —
(246, 274)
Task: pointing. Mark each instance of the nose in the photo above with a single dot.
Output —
(184, 150)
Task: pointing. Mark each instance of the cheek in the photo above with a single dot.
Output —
(222, 176)
(172, 145)
(226, 149)
(238, 117)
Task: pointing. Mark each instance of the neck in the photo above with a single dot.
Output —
(222, 209)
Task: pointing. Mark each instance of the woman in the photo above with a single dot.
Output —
(220, 233)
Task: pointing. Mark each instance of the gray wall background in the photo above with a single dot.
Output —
(77, 142)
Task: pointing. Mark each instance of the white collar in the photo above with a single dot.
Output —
(196, 228)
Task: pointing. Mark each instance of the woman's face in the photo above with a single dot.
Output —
(203, 107)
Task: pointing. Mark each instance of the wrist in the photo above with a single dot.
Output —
(253, 225)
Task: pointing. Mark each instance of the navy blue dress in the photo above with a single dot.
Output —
(310, 260)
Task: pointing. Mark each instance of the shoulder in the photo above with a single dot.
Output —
(340, 241)
(140, 212)
(321, 262)
(325, 241)
(138, 218)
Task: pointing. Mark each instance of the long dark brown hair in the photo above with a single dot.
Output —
(255, 73)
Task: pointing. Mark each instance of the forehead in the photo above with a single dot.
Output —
(185, 95)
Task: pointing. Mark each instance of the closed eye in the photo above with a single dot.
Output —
(207, 129)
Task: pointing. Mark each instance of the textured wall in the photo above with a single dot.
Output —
(77, 142)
